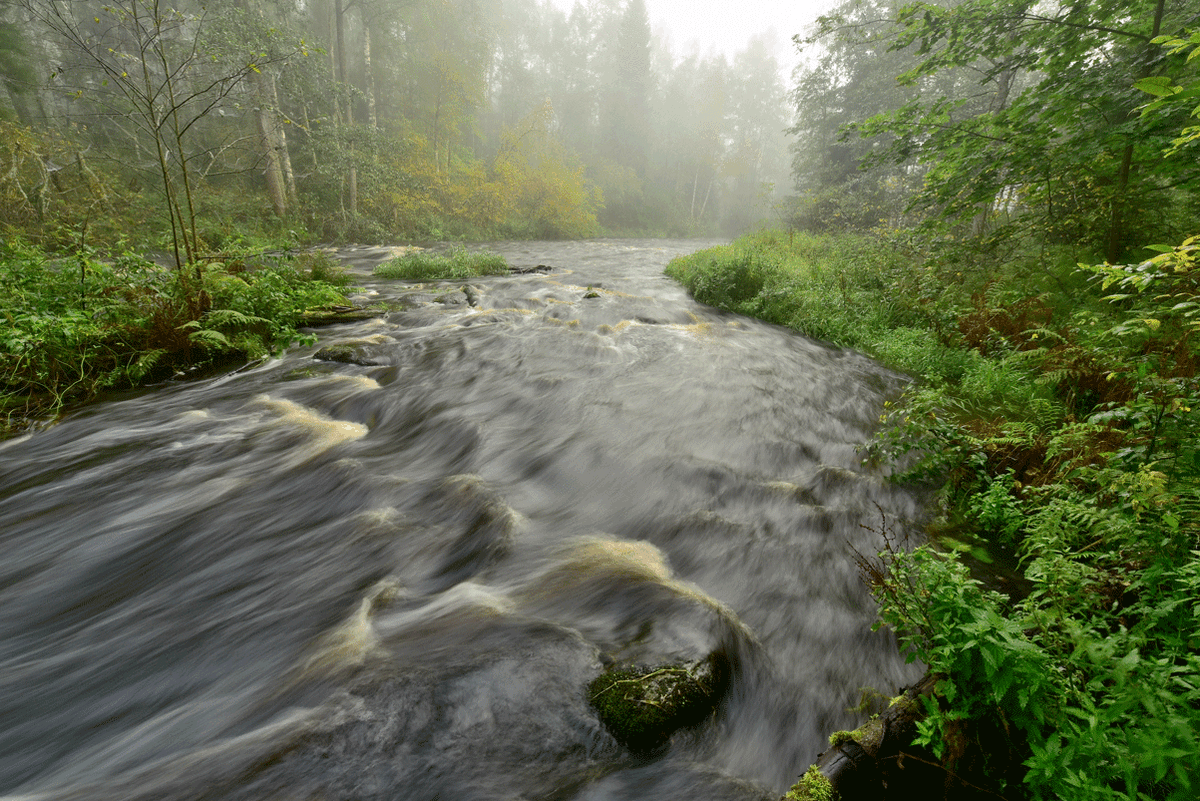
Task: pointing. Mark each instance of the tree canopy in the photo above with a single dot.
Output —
(376, 119)
(1011, 110)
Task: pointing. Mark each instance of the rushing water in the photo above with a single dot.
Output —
(393, 580)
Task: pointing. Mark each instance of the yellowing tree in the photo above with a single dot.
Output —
(550, 193)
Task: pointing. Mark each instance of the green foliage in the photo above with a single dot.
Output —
(1170, 94)
(813, 786)
(1000, 114)
(989, 665)
(828, 287)
(76, 326)
(264, 304)
(423, 265)
(996, 510)
(1103, 514)
(1104, 705)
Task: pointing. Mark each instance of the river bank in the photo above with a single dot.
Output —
(1058, 409)
(80, 325)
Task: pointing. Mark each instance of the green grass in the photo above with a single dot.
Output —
(421, 265)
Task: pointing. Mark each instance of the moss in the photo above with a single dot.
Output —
(904, 702)
(869, 735)
(643, 707)
(813, 786)
(839, 737)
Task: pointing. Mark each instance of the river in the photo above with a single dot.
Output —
(314, 579)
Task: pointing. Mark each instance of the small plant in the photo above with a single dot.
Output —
(813, 786)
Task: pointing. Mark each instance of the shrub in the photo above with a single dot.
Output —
(1062, 426)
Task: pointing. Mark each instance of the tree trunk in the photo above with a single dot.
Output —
(372, 114)
(268, 131)
(1116, 226)
(93, 183)
(348, 113)
(285, 156)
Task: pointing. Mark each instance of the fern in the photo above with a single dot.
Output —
(227, 319)
(210, 340)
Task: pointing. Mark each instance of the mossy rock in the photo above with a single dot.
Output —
(643, 707)
(314, 318)
(346, 354)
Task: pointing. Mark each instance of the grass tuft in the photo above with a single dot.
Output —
(421, 265)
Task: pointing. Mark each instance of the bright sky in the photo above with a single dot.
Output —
(727, 25)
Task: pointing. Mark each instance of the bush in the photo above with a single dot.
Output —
(1063, 428)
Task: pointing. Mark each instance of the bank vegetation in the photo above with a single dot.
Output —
(1000, 199)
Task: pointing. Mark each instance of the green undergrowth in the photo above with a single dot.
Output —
(423, 265)
(76, 325)
(1057, 407)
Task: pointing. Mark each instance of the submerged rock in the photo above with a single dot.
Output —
(346, 354)
(643, 707)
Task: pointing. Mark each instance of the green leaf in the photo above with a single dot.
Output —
(1159, 86)
(212, 340)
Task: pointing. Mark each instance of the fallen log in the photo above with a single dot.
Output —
(878, 761)
(860, 763)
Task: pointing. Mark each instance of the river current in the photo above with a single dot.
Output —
(393, 579)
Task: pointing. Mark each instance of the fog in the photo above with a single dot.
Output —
(394, 119)
(727, 26)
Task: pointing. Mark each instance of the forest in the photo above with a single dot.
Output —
(195, 134)
(376, 120)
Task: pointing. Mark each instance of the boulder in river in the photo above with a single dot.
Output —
(642, 707)
(349, 353)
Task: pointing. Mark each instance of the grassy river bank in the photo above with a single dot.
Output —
(82, 324)
(1057, 408)
(78, 325)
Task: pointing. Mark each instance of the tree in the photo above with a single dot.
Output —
(153, 65)
(758, 122)
(1068, 149)
(17, 75)
(627, 123)
(549, 191)
(850, 77)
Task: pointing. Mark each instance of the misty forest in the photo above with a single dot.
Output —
(923, 312)
(371, 121)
